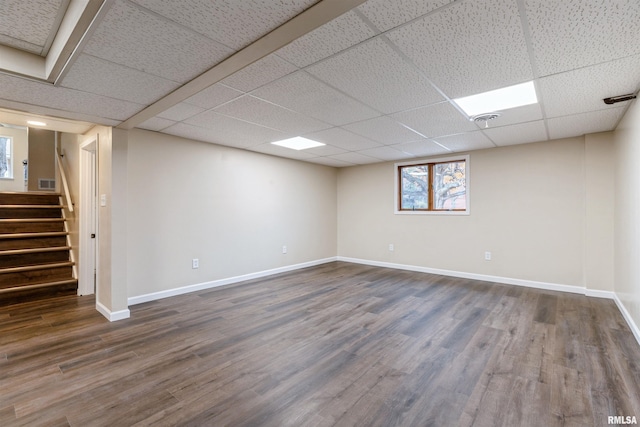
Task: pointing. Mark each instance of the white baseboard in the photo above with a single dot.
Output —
(628, 318)
(474, 276)
(593, 293)
(112, 316)
(222, 282)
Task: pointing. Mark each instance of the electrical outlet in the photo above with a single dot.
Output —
(487, 256)
(195, 263)
(391, 247)
(284, 249)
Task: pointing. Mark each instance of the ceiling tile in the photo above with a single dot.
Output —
(64, 99)
(255, 110)
(385, 14)
(583, 90)
(29, 21)
(521, 133)
(569, 34)
(385, 153)
(436, 120)
(355, 158)
(341, 138)
(91, 74)
(469, 47)
(46, 111)
(230, 22)
(20, 44)
(140, 39)
(213, 96)
(326, 150)
(282, 152)
(328, 161)
(360, 69)
(424, 147)
(333, 37)
(259, 73)
(156, 124)
(228, 131)
(465, 141)
(302, 93)
(384, 130)
(181, 111)
(580, 124)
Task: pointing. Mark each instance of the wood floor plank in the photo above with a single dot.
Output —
(333, 345)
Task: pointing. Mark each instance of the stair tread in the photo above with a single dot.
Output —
(19, 220)
(38, 285)
(34, 267)
(34, 250)
(29, 193)
(34, 234)
(31, 206)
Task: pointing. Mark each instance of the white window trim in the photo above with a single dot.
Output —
(396, 186)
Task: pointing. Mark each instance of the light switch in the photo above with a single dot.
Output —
(103, 200)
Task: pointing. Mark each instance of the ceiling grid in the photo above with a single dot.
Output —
(375, 80)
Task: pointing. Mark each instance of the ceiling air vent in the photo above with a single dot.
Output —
(484, 118)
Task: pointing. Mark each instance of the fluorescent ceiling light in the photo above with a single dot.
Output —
(298, 143)
(35, 123)
(499, 99)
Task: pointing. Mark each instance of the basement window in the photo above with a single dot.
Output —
(437, 186)
(6, 165)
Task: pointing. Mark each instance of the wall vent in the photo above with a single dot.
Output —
(46, 184)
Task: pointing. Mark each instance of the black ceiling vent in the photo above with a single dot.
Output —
(619, 98)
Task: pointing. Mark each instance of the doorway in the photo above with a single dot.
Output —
(88, 217)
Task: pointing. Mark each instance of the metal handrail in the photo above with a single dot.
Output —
(65, 186)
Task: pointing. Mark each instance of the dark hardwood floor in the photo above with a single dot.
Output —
(338, 344)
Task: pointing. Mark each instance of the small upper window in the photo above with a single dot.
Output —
(436, 186)
(6, 165)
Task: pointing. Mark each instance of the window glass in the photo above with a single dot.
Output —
(6, 170)
(449, 192)
(415, 187)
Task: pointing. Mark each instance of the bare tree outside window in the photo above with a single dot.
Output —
(415, 187)
(450, 188)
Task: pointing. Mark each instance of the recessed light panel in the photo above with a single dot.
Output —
(499, 99)
(298, 143)
(35, 123)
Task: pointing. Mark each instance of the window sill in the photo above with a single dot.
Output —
(446, 213)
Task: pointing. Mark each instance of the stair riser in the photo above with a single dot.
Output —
(33, 259)
(20, 296)
(9, 280)
(30, 213)
(30, 227)
(29, 199)
(33, 242)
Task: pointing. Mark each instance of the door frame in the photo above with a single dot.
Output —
(88, 247)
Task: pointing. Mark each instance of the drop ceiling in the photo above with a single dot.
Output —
(373, 80)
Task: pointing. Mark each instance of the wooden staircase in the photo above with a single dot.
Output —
(35, 259)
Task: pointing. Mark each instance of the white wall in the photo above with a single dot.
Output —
(20, 153)
(231, 209)
(627, 212)
(528, 207)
